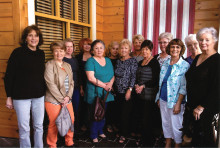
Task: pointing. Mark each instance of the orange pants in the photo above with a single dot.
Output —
(53, 112)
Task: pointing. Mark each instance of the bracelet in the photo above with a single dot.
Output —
(199, 109)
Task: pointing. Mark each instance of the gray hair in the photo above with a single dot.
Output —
(210, 30)
(166, 35)
(190, 37)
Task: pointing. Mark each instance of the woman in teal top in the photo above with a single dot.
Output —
(100, 74)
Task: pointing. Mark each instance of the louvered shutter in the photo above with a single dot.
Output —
(65, 9)
(43, 6)
(78, 32)
(83, 11)
(52, 31)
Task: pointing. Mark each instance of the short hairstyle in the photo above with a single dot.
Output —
(82, 41)
(210, 30)
(148, 44)
(68, 40)
(166, 35)
(139, 37)
(124, 42)
(27, 30)
(96, 42)
(189, 38)
(176, 42)
(59, 44)
(110, 46)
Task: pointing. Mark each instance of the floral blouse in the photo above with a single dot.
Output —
(176, 82)
(125, 74)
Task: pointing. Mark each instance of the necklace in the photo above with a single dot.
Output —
(146, 61)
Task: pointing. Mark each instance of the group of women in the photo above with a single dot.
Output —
(147, 91)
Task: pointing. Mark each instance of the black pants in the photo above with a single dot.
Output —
(123, 114)
(203, 131)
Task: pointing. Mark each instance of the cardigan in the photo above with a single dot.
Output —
(55, 77)
(176, 82)
(24, 77)
(203, 84)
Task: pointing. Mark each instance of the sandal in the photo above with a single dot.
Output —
(122, 139)
(102, 136)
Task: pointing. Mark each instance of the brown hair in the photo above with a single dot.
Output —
(176, 42)
(25, 33)
(68, 40)
(57, 44)
(110, 46)
(82, 41)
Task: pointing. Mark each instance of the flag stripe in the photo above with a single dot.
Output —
(140, 16)
(150, 20)
(135, 17)
(168, 15)
(126, 19)
(156, 26)
(130, 19)
(179, 19)
(145, 19)
(174, 18)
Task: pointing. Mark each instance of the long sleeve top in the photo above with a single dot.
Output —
(125, 74)
(176, 82)
(24, 77)
(203, 84)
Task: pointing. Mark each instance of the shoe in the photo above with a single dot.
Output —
(95, 142)
(74, 145)
(102, 136)
(122, 139)
(109, 129)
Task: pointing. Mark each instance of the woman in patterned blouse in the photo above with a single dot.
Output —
(125, 76)
(172, 91)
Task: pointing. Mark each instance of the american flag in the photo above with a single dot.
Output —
(153, 17)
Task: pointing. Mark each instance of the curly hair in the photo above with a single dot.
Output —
(25, 33)
(176, 42)
(82, 41)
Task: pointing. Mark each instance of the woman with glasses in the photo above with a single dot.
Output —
(193, 47)
(163, 41)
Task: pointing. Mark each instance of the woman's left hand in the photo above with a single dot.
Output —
(177, 108)
(139, 89)
(197, 112)
(66, 100)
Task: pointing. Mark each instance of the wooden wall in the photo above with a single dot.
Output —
(13, 18)
(207, 14)
(110, 20)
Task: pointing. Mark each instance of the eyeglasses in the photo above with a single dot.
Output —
(163, 42)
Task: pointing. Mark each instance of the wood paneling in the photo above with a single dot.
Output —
(13, 19)
(99, 19)
(206, 14)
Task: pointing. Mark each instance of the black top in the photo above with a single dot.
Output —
(24, 77)
(203, 84)
(113, 62)
(125, 74)
(82, 64)
(75, 68)
(148, 74)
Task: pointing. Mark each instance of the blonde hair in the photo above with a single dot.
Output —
(138, 37)
(57, 44)
(110, 46)
(68, 40)
(166, 35)
(125, 42)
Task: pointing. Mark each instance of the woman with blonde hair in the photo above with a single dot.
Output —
(125, 76)
(60, 86)
(137, 40)
(112, 52)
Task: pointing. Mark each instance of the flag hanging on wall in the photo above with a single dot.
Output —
(153, 17)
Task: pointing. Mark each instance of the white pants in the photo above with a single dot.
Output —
(171, 123)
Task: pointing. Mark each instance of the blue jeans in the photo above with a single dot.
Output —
(23, 108)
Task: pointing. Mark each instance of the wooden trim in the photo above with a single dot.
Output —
(76, 11)
(68, 30)
(57, 7)
(52, 9)
(90, 18)
(72, 10)
(61, 19)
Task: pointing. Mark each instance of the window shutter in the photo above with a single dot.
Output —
(44, 6)
(52, 31)
(78, 32)
(65, 9)
(83, 11)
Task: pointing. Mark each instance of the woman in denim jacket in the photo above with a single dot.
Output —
(172, 92)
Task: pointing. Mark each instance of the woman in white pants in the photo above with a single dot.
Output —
(172, 92)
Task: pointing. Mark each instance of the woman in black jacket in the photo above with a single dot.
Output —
(25, 85)
(147, 81)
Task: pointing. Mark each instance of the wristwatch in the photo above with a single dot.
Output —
(130, 88)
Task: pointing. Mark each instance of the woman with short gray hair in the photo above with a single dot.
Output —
(193, 47)
(203, 89)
